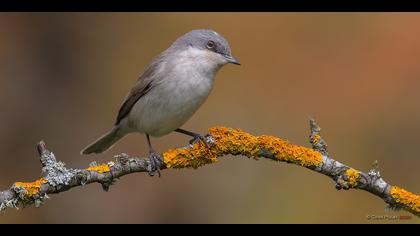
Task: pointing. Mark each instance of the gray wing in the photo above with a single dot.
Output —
(145, 83)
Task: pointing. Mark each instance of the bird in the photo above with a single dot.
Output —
(169, 91)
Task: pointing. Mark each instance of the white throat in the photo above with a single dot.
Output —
(202, 61)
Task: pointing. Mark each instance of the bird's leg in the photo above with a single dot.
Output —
(196, 137)
(154, 158)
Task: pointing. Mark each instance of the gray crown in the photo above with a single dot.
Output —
(200, 39)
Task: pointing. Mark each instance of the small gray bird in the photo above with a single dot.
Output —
(172, 87)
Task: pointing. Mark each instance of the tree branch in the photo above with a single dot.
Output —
(57, 178)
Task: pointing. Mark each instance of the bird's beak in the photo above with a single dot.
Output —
(232, 60)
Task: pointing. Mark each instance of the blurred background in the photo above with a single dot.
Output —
(63, 77)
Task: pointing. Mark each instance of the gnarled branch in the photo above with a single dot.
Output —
(57, 178)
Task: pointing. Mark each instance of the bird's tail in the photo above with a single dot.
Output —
(105, 142)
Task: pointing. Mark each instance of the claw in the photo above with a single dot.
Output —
(198, 138)
(155, 161)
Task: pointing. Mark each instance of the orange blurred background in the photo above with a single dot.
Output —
(63, 77)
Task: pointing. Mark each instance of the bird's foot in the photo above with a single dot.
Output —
(198, 137)
(155, 162)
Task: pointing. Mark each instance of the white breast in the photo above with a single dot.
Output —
(187, 82)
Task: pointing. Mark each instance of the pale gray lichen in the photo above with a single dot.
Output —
(20, 191)
(9, 203)
(210, 139)
(111, 163)
(93, 164)
(122, 158)
(55, 171)
(374, 173)
(41, 200)
(58, 174)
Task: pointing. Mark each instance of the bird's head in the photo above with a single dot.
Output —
(206, 44)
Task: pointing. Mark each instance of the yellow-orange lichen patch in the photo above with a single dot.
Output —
(315, 138)
(407, 199)
(100, 169)
(238, 142)
(31, 188)
(194, 157)
(352, 177)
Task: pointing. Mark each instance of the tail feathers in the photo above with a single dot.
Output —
(103, 143)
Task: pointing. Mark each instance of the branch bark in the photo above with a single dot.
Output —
(57, 178)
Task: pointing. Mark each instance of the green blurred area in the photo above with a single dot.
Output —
(63, 77)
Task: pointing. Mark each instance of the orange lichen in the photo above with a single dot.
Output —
(31, 188)
(100, 169)
(238, 142)
(409, 200)
(315, 138)
(194, 157)
(352, 177)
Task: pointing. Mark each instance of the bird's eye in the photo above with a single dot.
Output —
(210, 44)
